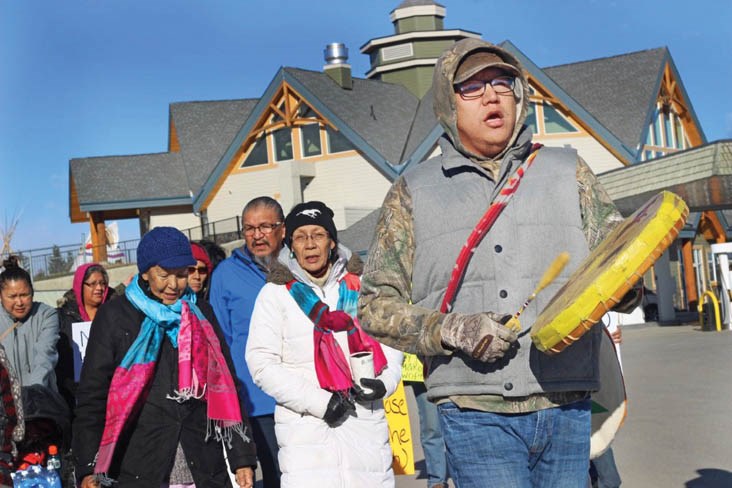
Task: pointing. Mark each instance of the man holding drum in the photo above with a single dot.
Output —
(511, 415)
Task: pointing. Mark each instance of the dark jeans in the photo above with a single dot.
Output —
(604, 472)
(267, 449)
(430, 433)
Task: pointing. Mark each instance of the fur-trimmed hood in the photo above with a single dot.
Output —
(286, 268)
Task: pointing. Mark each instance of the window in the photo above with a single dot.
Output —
(554, 122)
(257, 154)
(310, 140)
(337, 142)
(679, 132)
(305, 112)
(657, 129)
(667, 129)
(531, 117)
(282, 139)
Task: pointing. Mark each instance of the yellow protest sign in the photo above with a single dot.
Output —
(412, 368)
(400, 432)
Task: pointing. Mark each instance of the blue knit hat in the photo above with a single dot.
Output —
(166, 247)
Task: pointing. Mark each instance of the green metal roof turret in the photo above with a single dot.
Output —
(408, 57)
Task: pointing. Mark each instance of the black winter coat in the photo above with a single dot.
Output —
(146, 450)
(68, 313)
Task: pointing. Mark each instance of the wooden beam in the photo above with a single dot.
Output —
(75, 214)
(293, 100)
(692, 294)
(98, 236)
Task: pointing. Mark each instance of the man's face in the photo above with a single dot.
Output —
(485, 124)
(260, 243)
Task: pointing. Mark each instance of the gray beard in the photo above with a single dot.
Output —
(264, 262)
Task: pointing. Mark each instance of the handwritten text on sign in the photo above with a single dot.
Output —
(400, 433)
(412, 368)
(79, 336)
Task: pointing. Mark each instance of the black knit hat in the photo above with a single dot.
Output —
(309, 213)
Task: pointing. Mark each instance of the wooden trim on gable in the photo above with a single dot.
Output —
(711, 228)
(671, 96)
(264, 125)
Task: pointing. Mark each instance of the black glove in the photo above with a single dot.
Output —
(338, 409)
(378, 390)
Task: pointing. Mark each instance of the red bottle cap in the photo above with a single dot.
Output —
(52, 450)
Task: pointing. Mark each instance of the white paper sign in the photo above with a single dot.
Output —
(79, 337)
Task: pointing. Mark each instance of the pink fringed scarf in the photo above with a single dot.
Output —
(202, 371)
(331, 366)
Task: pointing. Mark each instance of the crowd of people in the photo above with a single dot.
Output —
(205, 365)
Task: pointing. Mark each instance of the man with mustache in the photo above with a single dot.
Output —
(510, 415)
(235, 285)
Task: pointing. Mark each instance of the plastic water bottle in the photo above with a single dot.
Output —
(36, 477)
(54, 460)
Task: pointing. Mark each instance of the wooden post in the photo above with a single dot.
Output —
(692, 294)
(99, 237)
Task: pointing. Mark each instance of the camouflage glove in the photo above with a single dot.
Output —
(482, 335)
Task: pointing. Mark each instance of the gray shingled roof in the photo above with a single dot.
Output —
(358, 236)
(618, 91)
(205, 130)
(381, 113)
(139, 177)
(424, 122)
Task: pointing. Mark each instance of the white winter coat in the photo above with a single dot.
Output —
(279, 354)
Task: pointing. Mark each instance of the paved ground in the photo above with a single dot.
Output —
(678, 432)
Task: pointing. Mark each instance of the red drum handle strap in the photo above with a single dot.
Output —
(482, 228)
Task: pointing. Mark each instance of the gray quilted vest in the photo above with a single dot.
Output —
(450, 194)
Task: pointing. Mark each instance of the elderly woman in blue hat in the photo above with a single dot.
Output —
(156, 398)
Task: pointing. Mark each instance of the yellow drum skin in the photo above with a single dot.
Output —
(609, 272)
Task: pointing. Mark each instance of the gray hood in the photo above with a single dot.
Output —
(444, 93)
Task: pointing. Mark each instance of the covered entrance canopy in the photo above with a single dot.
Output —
(702, 176)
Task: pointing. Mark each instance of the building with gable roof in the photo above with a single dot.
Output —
(328, 135)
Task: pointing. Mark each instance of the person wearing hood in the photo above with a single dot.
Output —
(90, 289)
(510, 415)
(29, 330)
(157, 403)
(332, 430)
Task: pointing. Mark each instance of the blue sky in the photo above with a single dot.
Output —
(94, 78)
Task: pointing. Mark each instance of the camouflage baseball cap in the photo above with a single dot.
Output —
(478, 61)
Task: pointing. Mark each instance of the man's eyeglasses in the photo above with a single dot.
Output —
(94, 284)
(202, 270)
(471, 89)
(318, 238)
(265, 229)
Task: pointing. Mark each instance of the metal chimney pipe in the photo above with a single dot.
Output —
(336, 53)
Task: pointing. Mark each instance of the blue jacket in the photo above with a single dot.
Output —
(234, 289)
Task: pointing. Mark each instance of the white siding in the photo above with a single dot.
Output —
(597, 157)
(347, 182)
(180, 221)
(239, 188)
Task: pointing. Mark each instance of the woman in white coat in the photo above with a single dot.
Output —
(331, 432)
